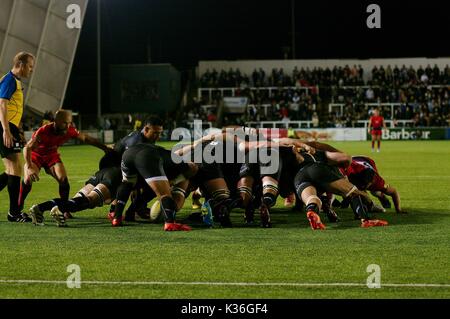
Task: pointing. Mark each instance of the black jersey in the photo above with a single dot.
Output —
(131, 139)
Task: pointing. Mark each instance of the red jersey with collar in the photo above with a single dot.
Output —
(49, 140)
(376, 122)
(355, 171)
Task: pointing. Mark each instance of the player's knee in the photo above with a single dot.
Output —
(313, 199)
(246, 194)
(98, 200)
(301, 187)
(353, 192)
(220, 195)
(270, 187)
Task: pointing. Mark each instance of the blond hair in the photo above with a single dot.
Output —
(22, 58)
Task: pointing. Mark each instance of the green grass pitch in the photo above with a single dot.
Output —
(414, 249)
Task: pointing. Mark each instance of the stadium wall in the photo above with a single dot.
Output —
(248, 66)
(145, 88)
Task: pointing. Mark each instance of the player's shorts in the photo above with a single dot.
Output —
(319, 175)
(376, 132)
(45, 161)
(274, 165)
(111, 177)
(152, 163)
(250, 170)
(17, 145)
(231, 173)
(207, 172)
(144, 162)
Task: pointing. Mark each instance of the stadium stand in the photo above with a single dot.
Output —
(335, 97)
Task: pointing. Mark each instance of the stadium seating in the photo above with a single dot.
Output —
(340, 95)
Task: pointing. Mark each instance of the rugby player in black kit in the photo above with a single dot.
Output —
(155, 166)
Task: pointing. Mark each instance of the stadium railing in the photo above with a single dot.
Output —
(205, 125)
(341, 106)
(265, 106)
(281, 124)
(232, 90)
(389, 123)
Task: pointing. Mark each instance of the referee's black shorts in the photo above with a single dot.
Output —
(17, 144)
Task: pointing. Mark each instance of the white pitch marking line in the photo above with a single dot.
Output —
(167, 283)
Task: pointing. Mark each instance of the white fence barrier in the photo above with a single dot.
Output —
(280, 124)
(231, 91)
(340, 107)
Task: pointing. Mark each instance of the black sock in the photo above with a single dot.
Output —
(3, 181)
(312, 207)
(76, 204)
(49, 204)
(269, 199)
(14, 190)
(64, 190)
(25, 189)
(123, 193)
(168, 206)
(359, 208)
(112, 208)
(133, 207)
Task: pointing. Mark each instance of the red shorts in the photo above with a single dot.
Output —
(46, 161)
(376, 132)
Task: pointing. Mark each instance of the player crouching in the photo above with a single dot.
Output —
(100, 189)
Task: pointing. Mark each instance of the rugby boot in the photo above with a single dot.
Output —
(314, 220)
(366, 223)
(58, 217)
(176, 227)
(37, 216)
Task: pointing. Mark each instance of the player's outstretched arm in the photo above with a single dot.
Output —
(340, 159)
(31, 172)
(93, 141)
(322, 146)
(189, 147)
(391, 191)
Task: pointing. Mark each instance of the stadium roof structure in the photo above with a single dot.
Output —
(41, 27)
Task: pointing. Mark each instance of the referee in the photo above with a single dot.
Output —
(11, 142)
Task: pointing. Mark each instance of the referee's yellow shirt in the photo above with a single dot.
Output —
(11, 90)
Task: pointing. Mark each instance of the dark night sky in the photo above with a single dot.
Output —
(183, 32)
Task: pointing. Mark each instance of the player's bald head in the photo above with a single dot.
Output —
(63, 119)
(63, 115)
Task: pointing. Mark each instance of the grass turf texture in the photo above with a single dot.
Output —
(414, 249)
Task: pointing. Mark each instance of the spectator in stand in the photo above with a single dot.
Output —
(370, 95)
(315, 120)
(211, 116)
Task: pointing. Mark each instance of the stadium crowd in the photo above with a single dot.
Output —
(418, 95)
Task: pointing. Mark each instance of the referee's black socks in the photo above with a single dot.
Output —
(3, 181)
(14, 190)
